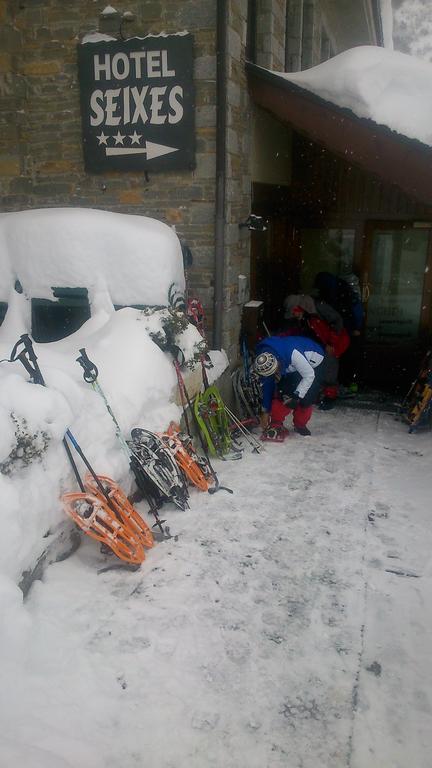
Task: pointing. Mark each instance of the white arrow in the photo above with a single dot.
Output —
(151, 150)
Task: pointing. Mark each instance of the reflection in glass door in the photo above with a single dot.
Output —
(395, 286)
(325, 250)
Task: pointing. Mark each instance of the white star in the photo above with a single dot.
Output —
(102, 138)
(119, 138)
(135, 138)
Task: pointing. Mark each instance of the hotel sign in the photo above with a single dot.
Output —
(137, 103)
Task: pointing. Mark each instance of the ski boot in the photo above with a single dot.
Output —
(303, 431)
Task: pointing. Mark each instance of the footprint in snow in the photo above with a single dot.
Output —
(205, 721)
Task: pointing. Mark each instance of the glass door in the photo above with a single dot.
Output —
(325, 250)
(395, 284)
(397, 299)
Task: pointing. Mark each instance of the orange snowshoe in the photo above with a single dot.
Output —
(97, 520)
(185, 456)
(125, 511)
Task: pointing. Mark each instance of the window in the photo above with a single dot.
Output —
(3, 310)
(53, 320)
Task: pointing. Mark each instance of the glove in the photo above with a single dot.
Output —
(291, 401)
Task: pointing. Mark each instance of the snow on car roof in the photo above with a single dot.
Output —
(137, 258)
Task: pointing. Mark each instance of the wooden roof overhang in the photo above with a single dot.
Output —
(393, 157)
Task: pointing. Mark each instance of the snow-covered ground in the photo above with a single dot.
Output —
(288, 625)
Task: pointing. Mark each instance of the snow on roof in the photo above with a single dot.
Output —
(138, 259)
(97, 37)
(109, 11)
(386, 86)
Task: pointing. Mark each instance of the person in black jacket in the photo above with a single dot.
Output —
(340, 295)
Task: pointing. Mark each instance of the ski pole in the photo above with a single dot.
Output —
(257, 447)
(90, 375)
(182, 388)
(29, 360)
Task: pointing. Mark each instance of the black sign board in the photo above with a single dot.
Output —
(137, 103)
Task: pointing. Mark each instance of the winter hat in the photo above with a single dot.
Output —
(266, 364)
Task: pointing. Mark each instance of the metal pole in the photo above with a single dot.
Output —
(221, 119)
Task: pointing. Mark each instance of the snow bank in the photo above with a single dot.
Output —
(386, 86)
(123, 260)
(139, 382)
(138, 379)
(137, 258)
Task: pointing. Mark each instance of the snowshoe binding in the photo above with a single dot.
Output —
(275, 433)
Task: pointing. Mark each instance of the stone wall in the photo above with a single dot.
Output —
(238, 192)
(271, 22)
(41, 161)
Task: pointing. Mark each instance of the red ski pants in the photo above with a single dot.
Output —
(278, 412)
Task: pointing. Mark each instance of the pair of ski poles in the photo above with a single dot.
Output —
(119, 526)
(90, 375)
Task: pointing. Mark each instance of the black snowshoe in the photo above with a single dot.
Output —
(159, 466)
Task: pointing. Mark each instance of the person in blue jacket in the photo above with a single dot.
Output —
(290, 367)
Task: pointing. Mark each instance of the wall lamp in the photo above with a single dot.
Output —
(112, 15)
(255, 223)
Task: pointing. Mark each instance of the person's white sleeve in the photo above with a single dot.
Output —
(299, 362)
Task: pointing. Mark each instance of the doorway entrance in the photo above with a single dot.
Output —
(393, 264)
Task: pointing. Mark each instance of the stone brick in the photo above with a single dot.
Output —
(234, 43)
(205, 166)
(55, 167)
(132, 196)
(205, 67)
(197, 15)
(21, 185)
(51, 190)
(41, 68)
(5, 62)
(174, 215)
(205, 116)
(9, 166)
